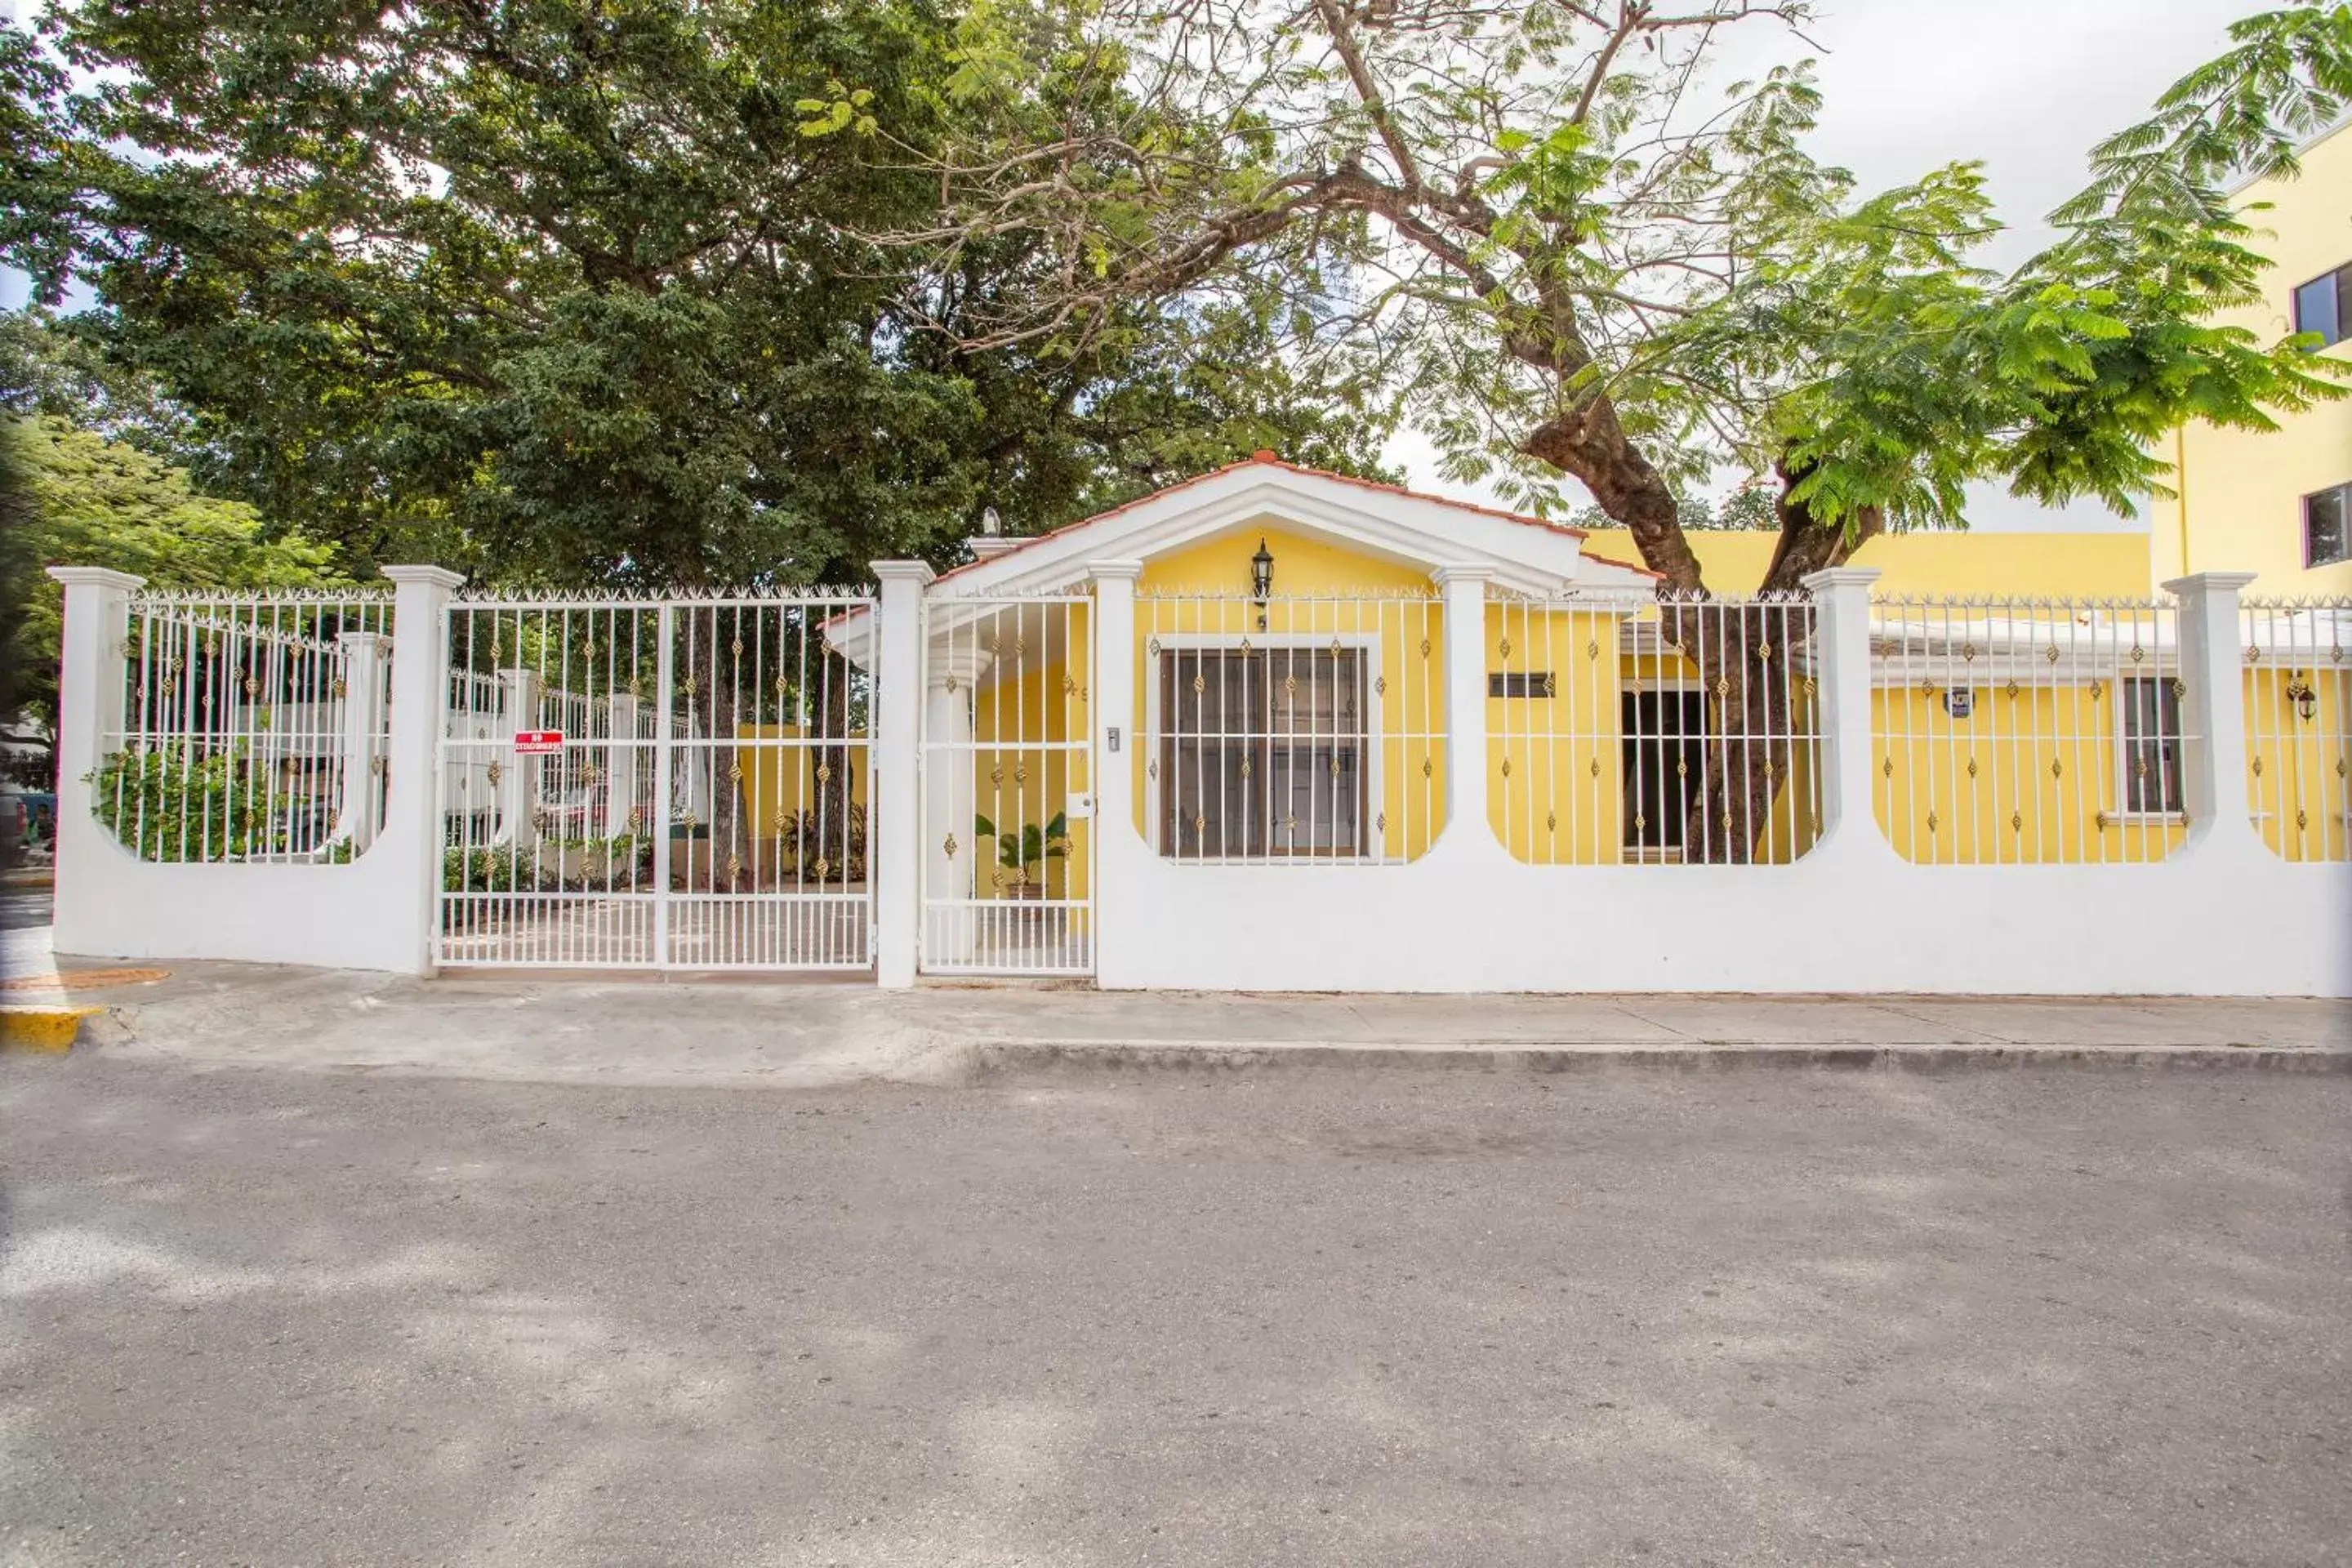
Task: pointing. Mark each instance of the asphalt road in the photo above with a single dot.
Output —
(1746, 1317)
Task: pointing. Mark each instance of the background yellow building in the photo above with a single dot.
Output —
(2275, 504)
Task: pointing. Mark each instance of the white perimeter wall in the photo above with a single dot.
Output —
(2222, 917)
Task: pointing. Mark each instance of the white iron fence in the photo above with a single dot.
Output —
(1008, 785)
(2028, 729)
(2299, 725)
(1648, 729)
(254, 727)
(659, 784)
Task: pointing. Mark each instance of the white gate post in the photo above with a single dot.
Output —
(2213, 710)
(410, 840)
(1115, 738)
(894, 837)
(89, 718)
(359, 660)
(1463, 589)
(1841, 647)
(620, 763)
(518, 792)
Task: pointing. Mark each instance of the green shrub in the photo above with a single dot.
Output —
(167, 805)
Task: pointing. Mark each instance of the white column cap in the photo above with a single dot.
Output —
(96, 577)
(430, 576)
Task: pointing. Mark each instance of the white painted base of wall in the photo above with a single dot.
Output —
(2223, 918)
(363, 915)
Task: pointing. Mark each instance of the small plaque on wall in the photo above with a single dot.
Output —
(1959, 702)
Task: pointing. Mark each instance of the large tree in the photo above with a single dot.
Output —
(1529, 216)
(1536, 217)
(568, 291)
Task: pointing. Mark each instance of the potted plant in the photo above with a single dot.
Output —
(1017, 851)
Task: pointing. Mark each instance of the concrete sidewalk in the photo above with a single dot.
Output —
(537, 1028)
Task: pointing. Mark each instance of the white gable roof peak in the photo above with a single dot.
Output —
(1524, 552)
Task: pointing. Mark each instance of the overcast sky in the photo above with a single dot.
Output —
(2026, 86)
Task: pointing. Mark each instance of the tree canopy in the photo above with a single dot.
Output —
(75, 495)
(568, 291)
(1538, 219)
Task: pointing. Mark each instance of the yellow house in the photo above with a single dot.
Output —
(1290, 678)
(2279, 503)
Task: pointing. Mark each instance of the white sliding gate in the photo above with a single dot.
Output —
(659, 784)
(1008, 785)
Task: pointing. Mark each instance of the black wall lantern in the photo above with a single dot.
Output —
(2299, 692)
(1261, 580)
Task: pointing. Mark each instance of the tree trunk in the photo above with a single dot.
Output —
(1750, 690)
(1589, 443)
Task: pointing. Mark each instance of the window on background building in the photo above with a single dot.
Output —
(2151, 747)
(1262, 752)
(2323, 305)
(2325, 535)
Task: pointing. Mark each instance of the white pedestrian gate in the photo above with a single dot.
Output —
(659, 783)
(1008, 785)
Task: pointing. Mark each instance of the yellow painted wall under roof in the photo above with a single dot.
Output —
(1322, 592)
(1931, 561)
(2241, 491)
(1555, 764)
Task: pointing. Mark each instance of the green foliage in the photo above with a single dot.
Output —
(168, 805)
(563, 291)
(1521, 222)
(1018, 849)
(87, 502)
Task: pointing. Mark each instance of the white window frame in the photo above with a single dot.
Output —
(1375, 779)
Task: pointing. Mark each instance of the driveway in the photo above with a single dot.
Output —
(256, 1315)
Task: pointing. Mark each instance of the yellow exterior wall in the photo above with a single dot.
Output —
(1555, 764)
(1020, 782)
(2241, 492)
(1555, 785)
(2299, 770)
(1931, 562)
(1321, 591)
(780, 782)
(1986, 783)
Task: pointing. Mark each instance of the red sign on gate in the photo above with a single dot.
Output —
(538, 742)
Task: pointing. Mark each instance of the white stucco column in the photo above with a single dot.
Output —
(407, 849)
(620, 764)
(894, 836)
(1841, 649)
(518, 791)
(360, 667)
(90, 694)
(1121, 913)
(1115, 734)
(1464, 592)
(2213, 710)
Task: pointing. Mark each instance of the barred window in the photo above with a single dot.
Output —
(2151, 713)
(1262, 752)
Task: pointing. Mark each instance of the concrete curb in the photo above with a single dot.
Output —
(999, 1059)
(42, 1031)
